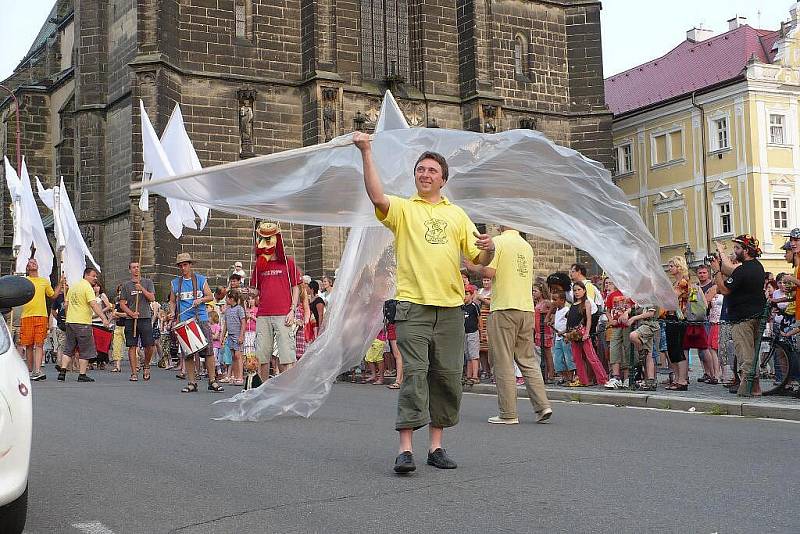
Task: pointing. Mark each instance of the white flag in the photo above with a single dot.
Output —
(28, 222)
(158, 164)
(144, 198)
(75, 249)
(183, 158)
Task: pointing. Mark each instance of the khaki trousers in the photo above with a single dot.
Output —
(511, 340)
(744, 339)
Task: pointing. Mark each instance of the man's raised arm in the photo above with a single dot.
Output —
(372, 181)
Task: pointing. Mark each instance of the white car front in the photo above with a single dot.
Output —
(16, 418)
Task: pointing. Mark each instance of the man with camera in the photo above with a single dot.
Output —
(743, 288)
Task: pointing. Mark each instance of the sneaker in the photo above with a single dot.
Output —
(544, 416)
(38, 376)
(404, 463)
(62, 375)
(85, 378)
(440, 460)
(613, 383)
(497, 420)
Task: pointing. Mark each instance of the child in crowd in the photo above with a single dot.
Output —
(233, 333)
(562, 351)
(216, 344)
(617, 307)
(250, 330)
(646, 327)
(543, 334)
(374, 360)
(472, 341)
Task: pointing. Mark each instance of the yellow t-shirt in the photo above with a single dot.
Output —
(513, 279)
(37, 307)
(78, 298)
(429, 241)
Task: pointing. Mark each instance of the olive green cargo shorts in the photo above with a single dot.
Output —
(431, 341)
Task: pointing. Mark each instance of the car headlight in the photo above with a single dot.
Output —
(5, 336)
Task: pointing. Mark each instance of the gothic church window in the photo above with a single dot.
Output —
(384, 38)
(520, 56)
(243, 19)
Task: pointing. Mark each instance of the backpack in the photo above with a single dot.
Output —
(695, 308)
(389, 309)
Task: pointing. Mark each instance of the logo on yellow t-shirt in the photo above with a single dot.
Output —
(522, 265)
(436, 234)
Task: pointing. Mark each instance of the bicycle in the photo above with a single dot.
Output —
(786, 366)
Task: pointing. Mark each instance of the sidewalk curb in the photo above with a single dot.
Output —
(662, 402)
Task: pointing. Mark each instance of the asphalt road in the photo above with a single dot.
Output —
(120, 457)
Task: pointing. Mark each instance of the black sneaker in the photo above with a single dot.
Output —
(404, 463)
(62, 375)
(85, 378)
(38, 376)
(439, 459)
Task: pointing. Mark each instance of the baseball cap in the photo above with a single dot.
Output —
(793, 234)
(238, 265)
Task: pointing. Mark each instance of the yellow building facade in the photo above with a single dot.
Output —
(707, 143)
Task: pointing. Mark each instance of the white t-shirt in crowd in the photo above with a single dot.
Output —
(560, 319)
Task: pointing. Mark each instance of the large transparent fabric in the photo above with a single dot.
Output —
(517, 178)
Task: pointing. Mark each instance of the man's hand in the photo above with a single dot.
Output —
(134, 315)
(362, 141)
(289, 318)
(197, 303)
(483, 241)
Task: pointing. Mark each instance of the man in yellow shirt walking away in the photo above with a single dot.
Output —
(431, 234)
(34, 320)
(80, 303)
(510, 328)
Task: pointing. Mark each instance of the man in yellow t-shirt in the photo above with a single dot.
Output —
(80, 303)
(510, 328)
(34, 320)
(431, 235)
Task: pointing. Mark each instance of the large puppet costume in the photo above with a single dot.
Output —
(277, 279)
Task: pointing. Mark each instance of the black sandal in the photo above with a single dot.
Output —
(214, 386)
(191, 387)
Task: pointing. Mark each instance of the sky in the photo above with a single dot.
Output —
(634, 31)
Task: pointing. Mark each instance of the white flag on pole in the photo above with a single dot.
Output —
(182, 158)
(75, 249)
(28, 222)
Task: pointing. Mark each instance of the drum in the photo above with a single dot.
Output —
(102, 338)
(190, 337)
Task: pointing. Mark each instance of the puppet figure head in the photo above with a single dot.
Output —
(251, 363)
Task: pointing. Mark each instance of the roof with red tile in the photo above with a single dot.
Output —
(690, 66)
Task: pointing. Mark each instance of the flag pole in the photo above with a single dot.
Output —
(60, 245)
(144, 205)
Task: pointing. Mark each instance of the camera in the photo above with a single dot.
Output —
(708, 259)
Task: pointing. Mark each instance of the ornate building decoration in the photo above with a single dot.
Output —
(330, 98)
(246, 98)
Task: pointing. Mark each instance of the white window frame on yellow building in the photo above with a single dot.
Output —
(622, 169)
(786, 140)
(782, 188)
(722, 194)
(669, 202)
(669, 156)
(713, 132)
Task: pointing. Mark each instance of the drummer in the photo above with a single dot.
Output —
(190, 292)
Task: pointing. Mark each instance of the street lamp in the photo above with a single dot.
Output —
(689, 255)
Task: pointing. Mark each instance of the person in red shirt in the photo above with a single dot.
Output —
(277, 280)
